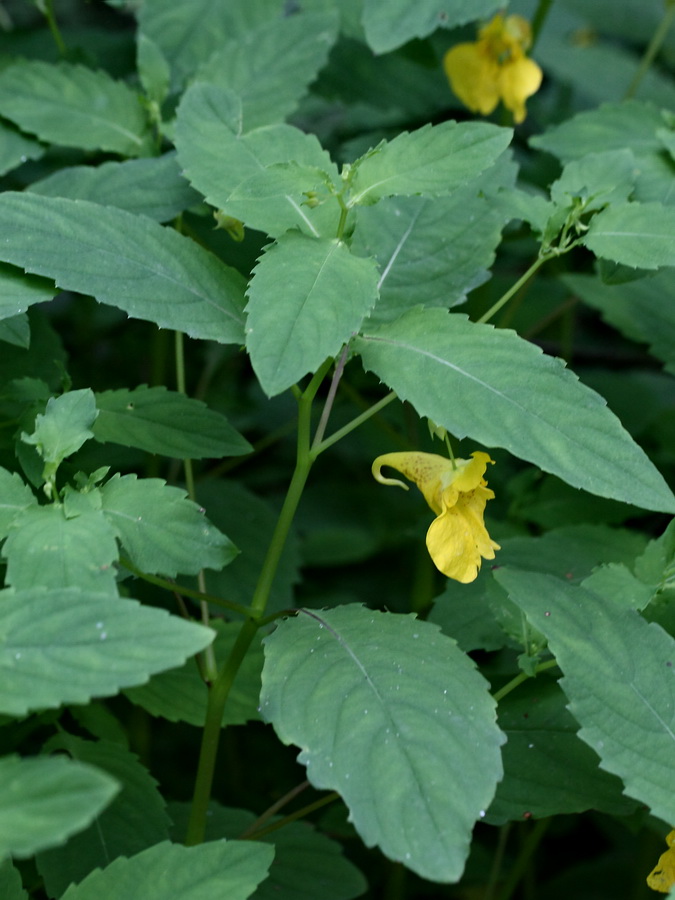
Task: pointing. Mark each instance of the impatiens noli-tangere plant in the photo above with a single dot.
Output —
(251, 257)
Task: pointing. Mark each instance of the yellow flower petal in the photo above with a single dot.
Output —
(456, 491)
(662, 876)
(495, 67)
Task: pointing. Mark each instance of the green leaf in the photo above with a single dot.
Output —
(160, 529)
(642, 310)
(154, 71)
(16, 148)
(180, 695)
(74, 106)
(88, 645)
(135, 819)
(619, 680)
(502, 391)
(10, 882)
(19, 291)
(64, 427)
(166, 422)
(307, 864)
(635, 234)
(15, 497)
(548, 770)
(43, 800)
(187, 32)
(597, 179)
(212, 871)
(327, 292)
(430, 252)
(150, 187)
(270, 66)
(392, 715)
(218, 158)
(397, 22)
(432, 161)
(47, 549)
(128, 261)
(16, 330)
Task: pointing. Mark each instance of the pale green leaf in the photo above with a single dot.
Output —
(430, 252)
(502, 391)
(46, 549)
(270, 66)
(548, 770)
(393, 716)
(74, 106)
(618, 126)
(618, 676)
(16, 330)
(388, 25)
(218, 158)
(212, 871)
(642, 310)
(135, 819)
(88, 645)
(187, 32)
(180, 695)
(160, 529)
(597, 179)
(15, 497)
(307, 864)
(10, 882)
(165, 422)
(154, 71)
(43, 800)
(64, 427)
(150, 187)
(128, 261)
(307, 297)
(635, 234)
(16, 148)
(19, 291)
(432, 161)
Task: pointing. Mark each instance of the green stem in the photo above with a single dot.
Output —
(519, 867)
(497, 862)
(330, 399)
(539, 19)
(273, 809)
(219, 691)
(293, 817)
(519, 679)
(185, 591)
(350, 426)
(48, 10)
(653, 48)
(539, 261)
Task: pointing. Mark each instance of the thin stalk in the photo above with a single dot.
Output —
(273, 809)
(538, 20)
(497, 862)
(519, 679)
(330, 399)
(653, 48)
(350, 426)
(293, 817)
(48, 10)
(219, 691)
(184, 591)
(539, 261)
(520, 866)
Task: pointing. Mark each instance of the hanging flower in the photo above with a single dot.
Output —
(662, 876)
(457, 492)
(495, 67)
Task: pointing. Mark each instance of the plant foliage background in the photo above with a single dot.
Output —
(246, 247)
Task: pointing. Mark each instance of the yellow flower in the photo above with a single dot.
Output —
(495, 67)
(457, 538)
(662, 876)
